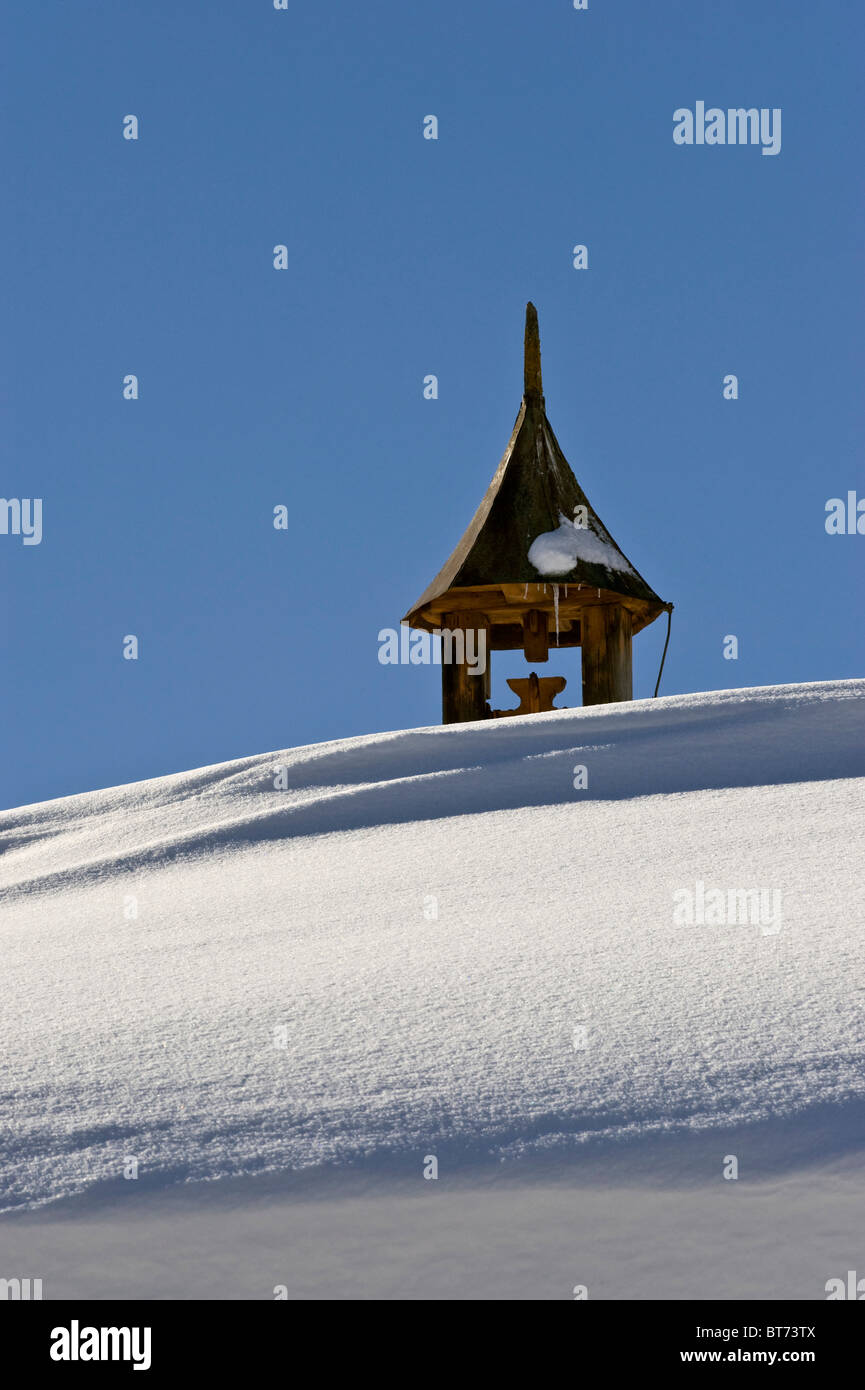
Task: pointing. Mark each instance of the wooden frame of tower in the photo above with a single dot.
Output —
(537, 568)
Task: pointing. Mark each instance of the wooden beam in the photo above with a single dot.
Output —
(464, 695)
(505, 604)
(607, 675)
(508, 637)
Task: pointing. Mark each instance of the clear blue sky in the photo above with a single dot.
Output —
(407, 257)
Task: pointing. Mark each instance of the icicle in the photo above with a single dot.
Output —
(566, 591)
(556, 608)
(526, 590)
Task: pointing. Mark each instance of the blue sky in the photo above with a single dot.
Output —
(407, 257)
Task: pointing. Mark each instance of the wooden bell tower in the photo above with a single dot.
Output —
(535, 569)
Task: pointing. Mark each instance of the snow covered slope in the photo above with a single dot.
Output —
(433, 943)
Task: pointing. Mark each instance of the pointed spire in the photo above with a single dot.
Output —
(533, 387)
(533, 495)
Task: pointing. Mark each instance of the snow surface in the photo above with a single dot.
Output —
(469, 958)
(557, 552)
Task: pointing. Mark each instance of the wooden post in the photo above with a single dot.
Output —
(606, 643)
(464, 696)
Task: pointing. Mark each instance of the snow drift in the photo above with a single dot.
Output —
(360, 953)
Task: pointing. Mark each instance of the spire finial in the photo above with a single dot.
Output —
(533, 389)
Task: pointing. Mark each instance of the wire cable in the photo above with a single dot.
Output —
(669, 608)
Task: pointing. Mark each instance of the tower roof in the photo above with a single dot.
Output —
(535, 524)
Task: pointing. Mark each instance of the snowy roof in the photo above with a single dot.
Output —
(282, 1003)
(535, 523)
